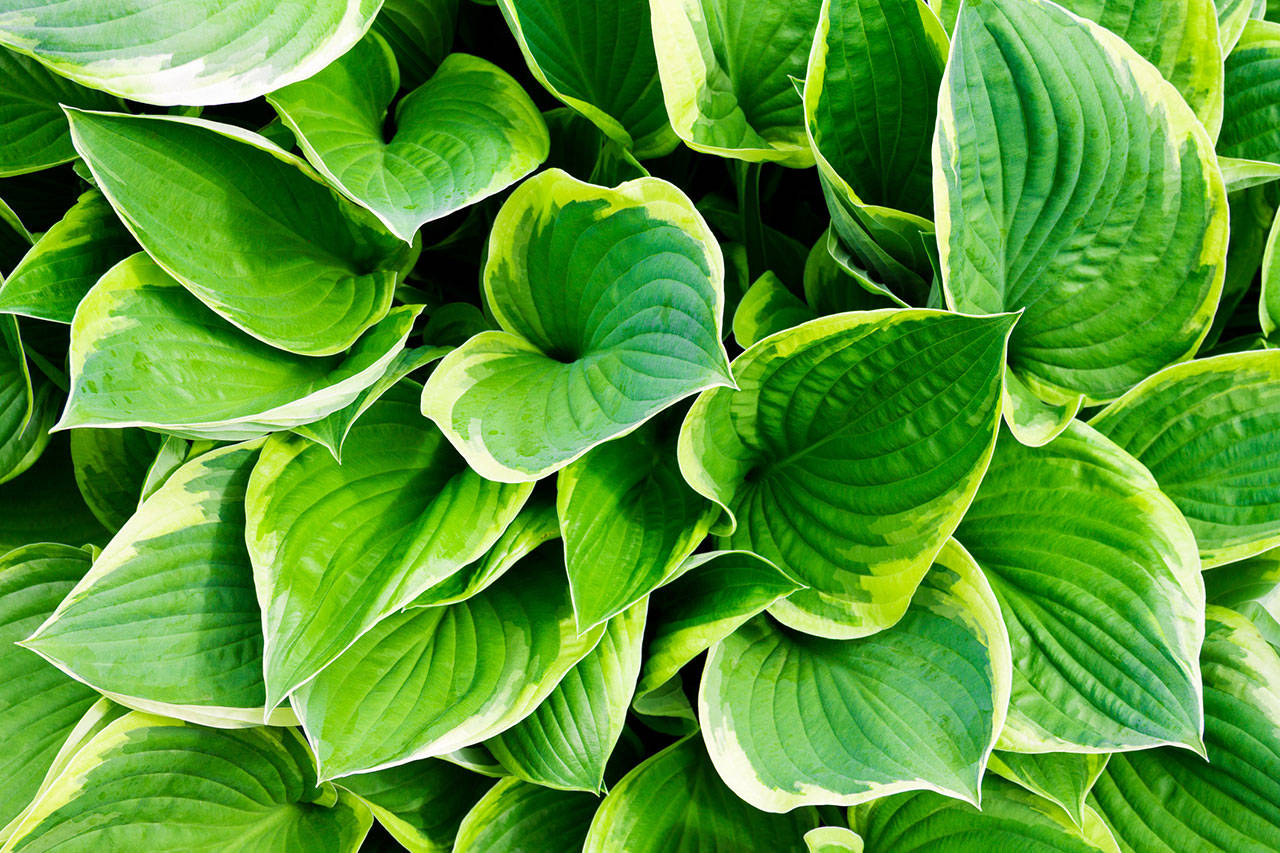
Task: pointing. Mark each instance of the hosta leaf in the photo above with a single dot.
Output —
(43, 504)
(567, 741)
(1207, 432)
(31, 98)
(420, 32)
(66, 261)
(1166, 800)
(1011, 819)
(1233, 15)
(247, 228)
(1269, 299)
(467, 133)
(1176, 37)
(870, 96)
(170, 456)
(792, 719)
(166, 620)
(204, 52)
(726, 70)
(833, 839)
(1238, 174)
(610, 303)
(1064, 778)
(516, 816)
(28, 406)
(39, 705)
(336, 547)
(850, 453)
(1104, 216)
(598, 58)
(1251, 116)
(111, 467)
(421, 803)
(160, 784)
(145, 352)
(628, 520)
(675, 803)
(430, 680)
(714, 594)
(1250, 587)
(1099, 584)
(768, 307)
(831, 288)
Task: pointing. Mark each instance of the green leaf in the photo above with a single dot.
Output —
(870, 95)
(597, 58)
(430, 680)
(1238, 174)
(1064, 778)
(610, 303)
(1178, 37)
(467, 133)
(421, 803)
(170, 456)
(166, 621)
(338, 547)
(712, 596)
(1168, 800)
(768, 307)
(791, 719)
(1104, 217)
(28, 406)
(675, 803)
(1251, 115)
(206, 52)
(628, 520)
(295, 265)
(726, 69)
(849, 455)
(43, 504)
(516, 816)
(111, 468)
(1207, 432)
(420, 32)
(145, 352)
(1099, 584)
(1269, 300)
(1011, 819)
(1250, 587)
(31, 98)
(833, 839)
(39, 705)
(146, 782)
(830, 287)
(567, 741)
(1233, 15)
(66, 261)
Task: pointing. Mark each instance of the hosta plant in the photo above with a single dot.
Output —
(640, 426)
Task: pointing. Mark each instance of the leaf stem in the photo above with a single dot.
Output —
(746, 179)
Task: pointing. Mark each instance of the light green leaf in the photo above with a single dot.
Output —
(166, 620)
(111, 468)
(768, 307)
(1099, 584)
(1104, 216)
(675, 803)
(1269, 300)
(610, 303)
(39, 705)
(145, 352)
(832, 287)
(849, 455)
(1233, 15)
(833, 839)
(792, 719)
(430, 680)
(297, 266)
(1238, 174)
(1064, 778)
(1168, 800)
(338, 547)
(467, 133)
(598, 58)
(628, 520)
(147, 782)
(66, 261)
(1250, 587)
(1031, 420)
(170, 456)
(1253, 212)
(1011, 819)
(421, 803)
(420, 32)
(43, 504)
(1207, 431)
(712, 596)
(36, 134)
(1251, 116)
(726, 70)
(28, 406)
(204, 52)
(567, 741)
(516, 816)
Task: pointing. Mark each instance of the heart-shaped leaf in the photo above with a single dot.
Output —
(516, 816)
(36, 134)
(1062, 777)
